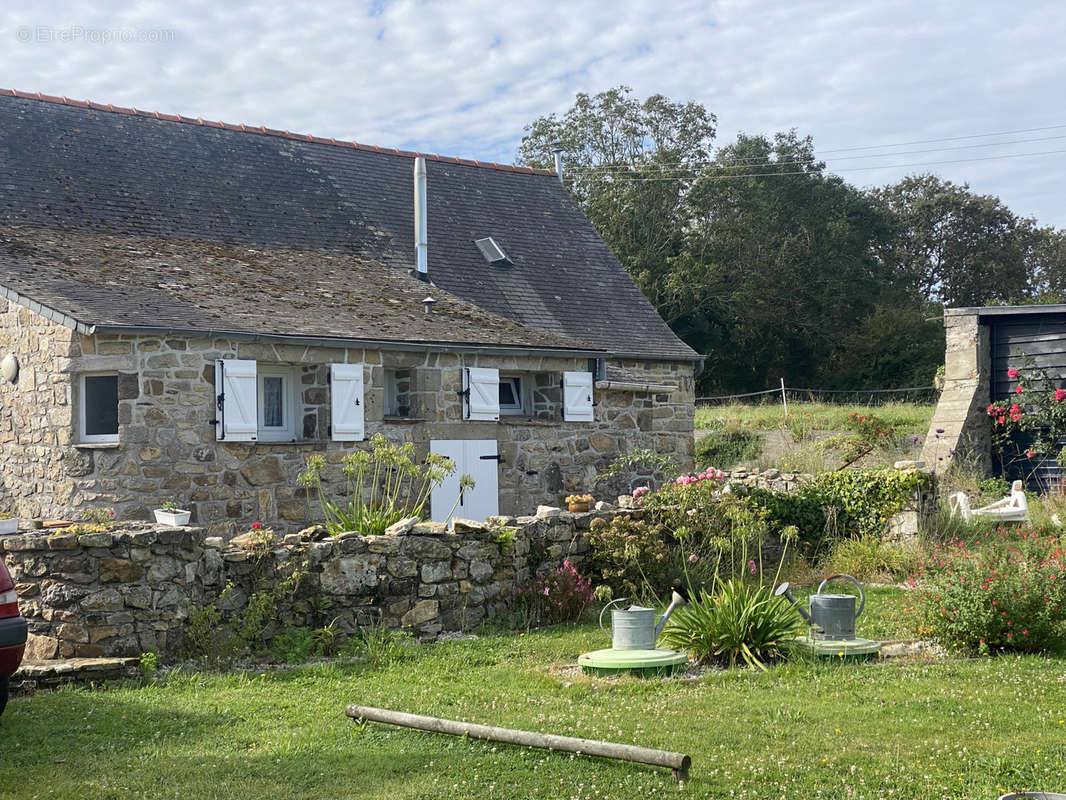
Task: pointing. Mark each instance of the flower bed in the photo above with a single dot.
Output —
(1006, 592)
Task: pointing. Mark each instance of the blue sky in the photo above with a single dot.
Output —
(464, 77)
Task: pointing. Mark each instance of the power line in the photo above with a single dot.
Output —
(742, 163)
(637, 179)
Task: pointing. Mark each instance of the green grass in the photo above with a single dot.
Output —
(957, 729)
(907, 418)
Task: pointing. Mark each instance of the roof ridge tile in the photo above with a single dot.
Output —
(264, 131)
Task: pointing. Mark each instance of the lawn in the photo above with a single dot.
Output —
(907, 418)
(834, 730)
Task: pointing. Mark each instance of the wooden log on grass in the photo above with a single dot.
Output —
(678, 762)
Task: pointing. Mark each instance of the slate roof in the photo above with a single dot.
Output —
(120, 280)
(88, 168)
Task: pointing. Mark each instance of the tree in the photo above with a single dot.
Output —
(627, 164)
(956, 247)
(779, 260)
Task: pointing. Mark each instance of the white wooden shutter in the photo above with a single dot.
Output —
(482, 387)
(577, 397)
(346, 390)
(236, 390)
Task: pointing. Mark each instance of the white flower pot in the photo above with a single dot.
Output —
(9, 525)
(176, 518)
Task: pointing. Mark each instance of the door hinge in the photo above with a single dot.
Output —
(497, 457)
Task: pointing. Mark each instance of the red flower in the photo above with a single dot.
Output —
(1012, 373)
(1018, 389)
(1029, 454)
(256, 526)
(1060, 395)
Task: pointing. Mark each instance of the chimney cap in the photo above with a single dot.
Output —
(428, 303)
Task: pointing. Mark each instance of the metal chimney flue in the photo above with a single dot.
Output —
(557, 151)
(421, 245)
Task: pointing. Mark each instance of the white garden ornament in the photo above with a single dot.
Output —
(1013, 507)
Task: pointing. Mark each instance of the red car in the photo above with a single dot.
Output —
(12, 632)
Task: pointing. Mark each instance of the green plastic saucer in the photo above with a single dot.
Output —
(839, 648)
(641, 663)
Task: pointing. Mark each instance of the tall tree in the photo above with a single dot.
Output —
(956, 247)
(627, 162)
(780, 259)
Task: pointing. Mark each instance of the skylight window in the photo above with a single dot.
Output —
(492, 251)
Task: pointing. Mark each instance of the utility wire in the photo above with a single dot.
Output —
(639, 179)
(743, 163)
(921, 141)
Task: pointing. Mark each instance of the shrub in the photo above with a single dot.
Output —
(870, 558)
(740, 622)
(724, 448)
(554, 597)
(629, 555)
(713, 534)
(1003, 593)
(863, 500)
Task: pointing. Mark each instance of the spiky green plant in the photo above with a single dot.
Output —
(741, 621)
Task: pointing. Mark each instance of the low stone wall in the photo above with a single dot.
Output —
(125, 592)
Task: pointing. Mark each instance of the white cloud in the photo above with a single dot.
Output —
(463, 77)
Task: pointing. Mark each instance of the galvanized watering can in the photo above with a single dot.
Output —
(634, 628)
(832, 616)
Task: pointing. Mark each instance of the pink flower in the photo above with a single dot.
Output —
(692, 559)
(751, 566)
(257, 526)
(1029, 453)
(1012, 373)
(1018, 389)
(640, 491)
(1060, 395)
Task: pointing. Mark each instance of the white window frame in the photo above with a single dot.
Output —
(287, 431)
(518, 385)
(96, 438)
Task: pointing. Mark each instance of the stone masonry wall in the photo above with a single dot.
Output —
(127, 591)
(167, 447)
(39, 465)
(959, 428)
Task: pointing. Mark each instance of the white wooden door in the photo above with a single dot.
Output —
(478, 459)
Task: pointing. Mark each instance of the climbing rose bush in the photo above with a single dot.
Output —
(1007, 592)
(1038, 407)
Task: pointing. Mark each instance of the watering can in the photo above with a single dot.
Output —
(635, 628)
(832, 616)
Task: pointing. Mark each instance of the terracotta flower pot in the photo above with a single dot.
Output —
(579, 508)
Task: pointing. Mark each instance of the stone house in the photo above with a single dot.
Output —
(195, 307)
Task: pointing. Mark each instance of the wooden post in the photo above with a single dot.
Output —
(784, 399)
(678, 762)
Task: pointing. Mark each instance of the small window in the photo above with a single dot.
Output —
(99, 408)
(399, 384)
(492, 252)
(511, 395)
(276, 404)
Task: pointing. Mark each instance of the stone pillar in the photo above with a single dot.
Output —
(959, 428)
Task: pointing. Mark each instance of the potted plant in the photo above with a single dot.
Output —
(9, 523)
(168, 513)
(579, 503)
